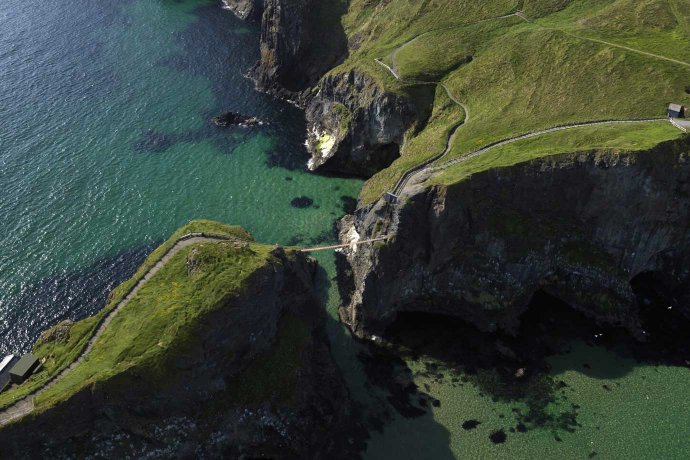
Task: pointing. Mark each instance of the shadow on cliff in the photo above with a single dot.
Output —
(517, 369)
(378, 404)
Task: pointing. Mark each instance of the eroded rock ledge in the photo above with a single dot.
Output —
(246, 9)
(354, 126)
(579, 227)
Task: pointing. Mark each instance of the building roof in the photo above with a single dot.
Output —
(25, 365)
(6, 362)
(675, 107)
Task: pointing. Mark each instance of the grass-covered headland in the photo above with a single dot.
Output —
(520, 67)
(166, 319)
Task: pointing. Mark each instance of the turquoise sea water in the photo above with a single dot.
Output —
(106, 148)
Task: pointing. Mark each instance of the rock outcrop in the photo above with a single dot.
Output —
(579, 227)
(227, 119)
(219, 395)
(246, 9)
(300, 41)
(354, 126)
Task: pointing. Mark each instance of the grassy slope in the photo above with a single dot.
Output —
(614, 137)
(57, 356)
(163, 319)
(523, 76)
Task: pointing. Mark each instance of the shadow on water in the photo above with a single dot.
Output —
(376, 403)
(516, 369)
(73, 295)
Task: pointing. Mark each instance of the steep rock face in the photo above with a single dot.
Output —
(196, 410)
(300, 41)
(353, 126)
(246, 9)
(579, 227)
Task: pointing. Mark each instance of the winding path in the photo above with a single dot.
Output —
(521, 15)
(26, 405)
(425, 165)
(539, 133)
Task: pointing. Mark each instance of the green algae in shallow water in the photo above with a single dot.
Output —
(644, 415)
(542, 387)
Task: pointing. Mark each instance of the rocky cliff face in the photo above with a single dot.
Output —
(353, 126)
(300, 41)
(209, 403)
(579, 227)
(246, 9)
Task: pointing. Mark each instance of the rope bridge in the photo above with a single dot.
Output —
(346, 245)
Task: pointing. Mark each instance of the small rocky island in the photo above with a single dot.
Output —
(228, 119)
(234, 362)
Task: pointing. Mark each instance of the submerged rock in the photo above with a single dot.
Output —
(227, 119)
(470, 424)
(498, 437)
(301, 202)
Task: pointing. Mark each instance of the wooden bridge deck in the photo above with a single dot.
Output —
(347, 245)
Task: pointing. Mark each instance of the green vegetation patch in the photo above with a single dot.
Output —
(344, 117)
(432, 56)
(571, 61)
(56, 356)
(621, 137)
(164, 319)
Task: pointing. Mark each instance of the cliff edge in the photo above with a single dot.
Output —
(221, 353)
(578, 226)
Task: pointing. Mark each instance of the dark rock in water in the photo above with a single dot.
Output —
(235, 119)
(154, 142)
(301, 202)
(470, 424)
(349, 204)
(436, 403)
(498, 437)
(288, 178)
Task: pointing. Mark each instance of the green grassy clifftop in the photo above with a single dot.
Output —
(222, 327)
(517, 67)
